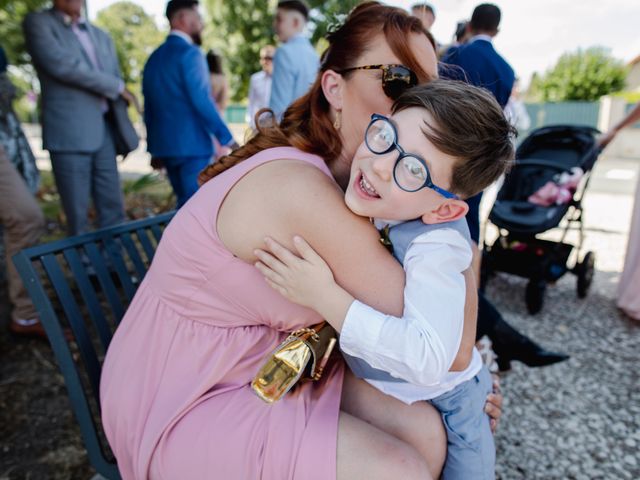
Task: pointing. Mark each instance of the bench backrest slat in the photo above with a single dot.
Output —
(148, 248)
(89, 296)
(90, 279)
(157, 233)
(76, 321)
(113, 249)
(96, 260)
(134, 255)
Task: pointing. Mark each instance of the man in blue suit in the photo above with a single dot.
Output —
(296, 63)
(478, 63)
(180, 114)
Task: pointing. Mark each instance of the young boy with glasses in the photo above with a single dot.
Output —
(445, 141)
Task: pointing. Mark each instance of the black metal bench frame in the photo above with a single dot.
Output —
(103, 269)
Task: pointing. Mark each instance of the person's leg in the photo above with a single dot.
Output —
(183, 176)
(23, 225)
(245, 443)
(507, 342)
(72, 172)
(188, 177)
(173, 169)
(418, 425)
(488, 317)
(369, 453)
(105, 182)
(470, 447)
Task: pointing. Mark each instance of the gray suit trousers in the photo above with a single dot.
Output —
(81, 176)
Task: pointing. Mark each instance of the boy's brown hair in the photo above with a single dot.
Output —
(468, 125)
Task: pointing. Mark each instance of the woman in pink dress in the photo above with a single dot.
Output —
(176, 400)
(628, 288)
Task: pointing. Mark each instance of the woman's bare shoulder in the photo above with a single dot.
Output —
(288, 197)
(286, 183)
(282, 198)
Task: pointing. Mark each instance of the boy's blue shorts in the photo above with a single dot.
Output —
(471, 452)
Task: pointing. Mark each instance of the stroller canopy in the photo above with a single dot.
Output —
(545, 153)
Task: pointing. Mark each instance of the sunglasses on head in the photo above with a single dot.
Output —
(395, 78)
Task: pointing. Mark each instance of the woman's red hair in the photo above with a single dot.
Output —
(306, 124)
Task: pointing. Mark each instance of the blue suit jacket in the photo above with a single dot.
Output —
(295, 67)
(478, 63)
(179, 112)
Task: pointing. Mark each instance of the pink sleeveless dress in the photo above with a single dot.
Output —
(176, 400)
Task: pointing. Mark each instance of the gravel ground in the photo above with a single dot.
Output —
(579, 419)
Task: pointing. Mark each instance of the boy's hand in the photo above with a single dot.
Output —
(305, 279)
(493, 405)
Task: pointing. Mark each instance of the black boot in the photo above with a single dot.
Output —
(508, 343)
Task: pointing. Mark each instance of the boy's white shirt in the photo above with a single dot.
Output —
(421, 346)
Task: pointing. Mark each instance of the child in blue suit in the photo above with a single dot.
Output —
(445, 141)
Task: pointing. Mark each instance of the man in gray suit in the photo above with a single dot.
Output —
(80, 80)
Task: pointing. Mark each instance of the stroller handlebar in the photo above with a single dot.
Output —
(541, 162)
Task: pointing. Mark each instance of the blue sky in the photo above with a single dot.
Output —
(533, 33)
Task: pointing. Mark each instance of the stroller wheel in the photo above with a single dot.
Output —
(584, 270)
(534, 295)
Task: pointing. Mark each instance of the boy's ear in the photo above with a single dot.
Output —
(448, 211)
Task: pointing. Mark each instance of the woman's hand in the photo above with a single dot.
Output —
(305, 279)
(493, 407)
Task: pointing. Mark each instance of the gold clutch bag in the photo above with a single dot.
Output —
(302, 356)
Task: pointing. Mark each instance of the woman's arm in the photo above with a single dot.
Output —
(284, 198)
(632, 117)
(418, 347)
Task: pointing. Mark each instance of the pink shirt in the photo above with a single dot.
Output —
(81, 30)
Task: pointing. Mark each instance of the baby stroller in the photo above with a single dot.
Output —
(542, 158)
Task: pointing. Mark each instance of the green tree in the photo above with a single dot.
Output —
(325, 14)
(135, 35)
(240, 28)
(534, 93)
(12, 12)
(583, 75)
